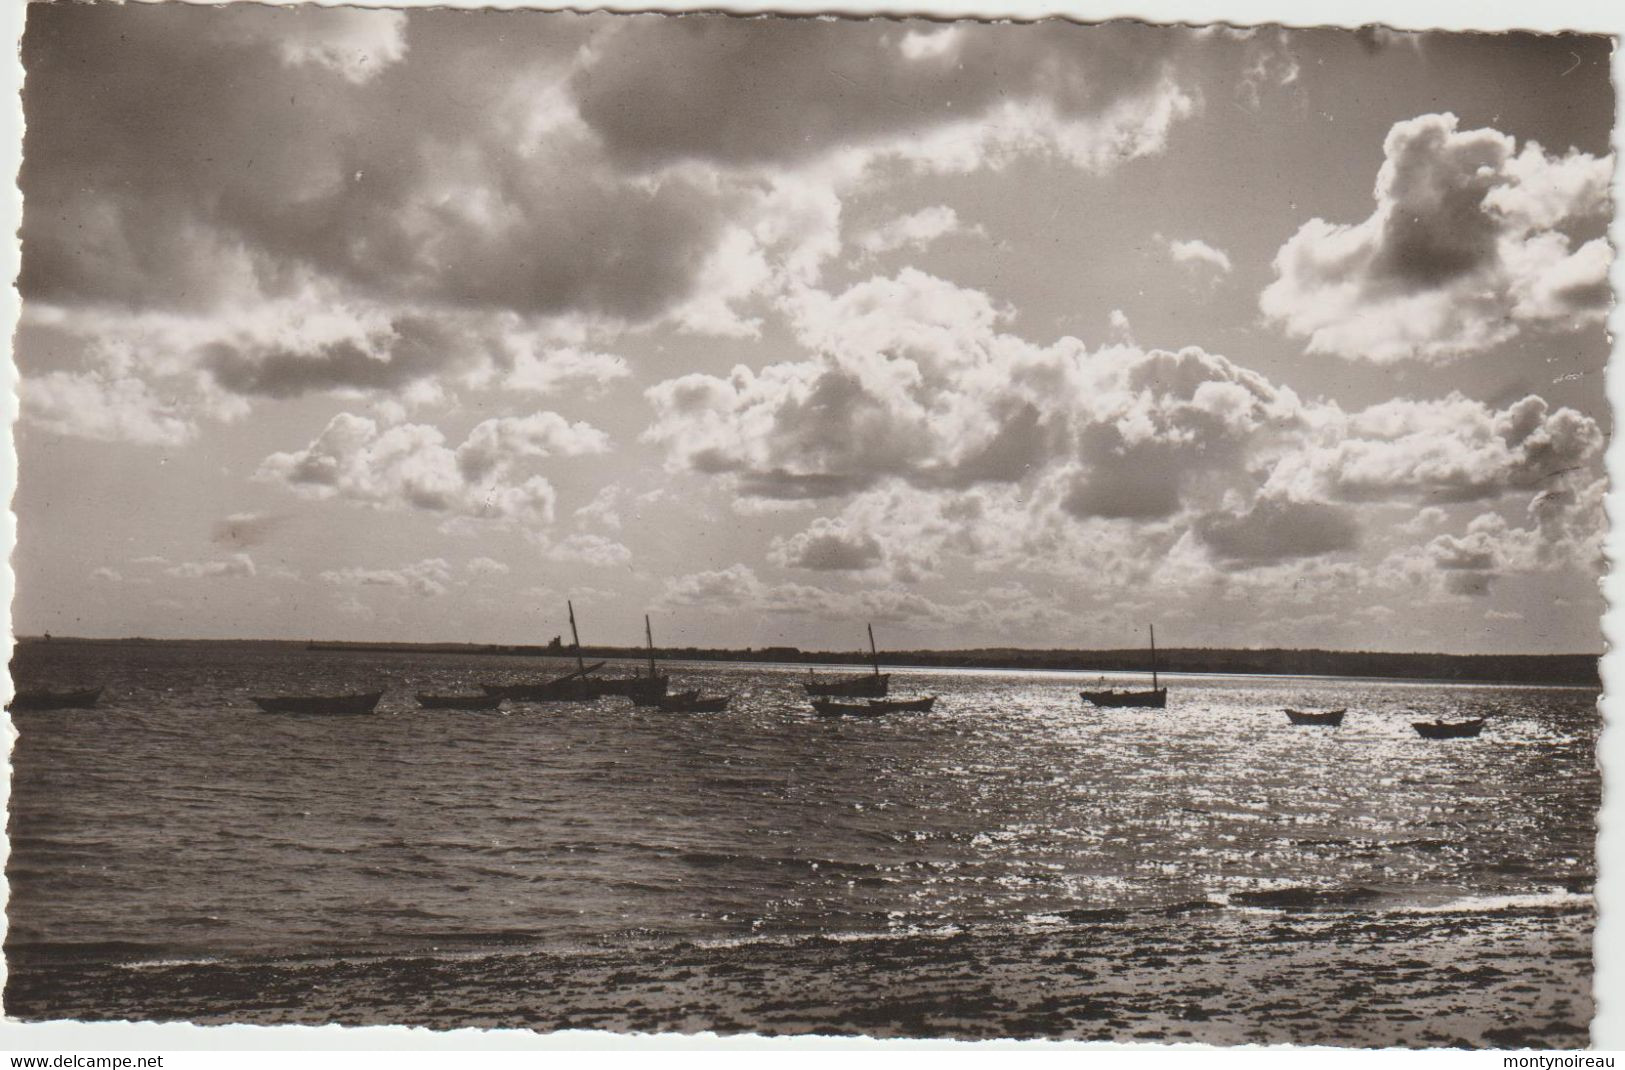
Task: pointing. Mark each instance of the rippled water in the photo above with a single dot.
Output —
(177, 821)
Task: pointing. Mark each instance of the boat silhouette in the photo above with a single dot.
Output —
(55, 700)
(869, 685)
(1156, 698)
(1330, 718)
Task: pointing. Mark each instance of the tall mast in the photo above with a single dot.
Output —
(575, 639)
(873, 653)
(650, 636)
(1153, 628)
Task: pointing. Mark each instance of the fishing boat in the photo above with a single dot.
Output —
(571, 687)
(869, 685)
(1449, 729)
(459, 702)
(1331, 718)
(328, 705)
(1156, 698)
(692, 702)
(825, 707)
(646, 690)
(55, 700)
(901, 705)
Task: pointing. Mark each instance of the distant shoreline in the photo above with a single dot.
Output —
(1556, 669)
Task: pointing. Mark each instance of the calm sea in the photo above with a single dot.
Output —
(176, 822)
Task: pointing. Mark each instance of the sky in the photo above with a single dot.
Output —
(410, 326)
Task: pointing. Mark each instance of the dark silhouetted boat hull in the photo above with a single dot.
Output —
(324, 705)
(902, 705)
(574, 687)
(459, 702)
(55, 700)
(1448, 729)
(829, 708)
(1329, 718)
(871, 686)
(633, 687)
(1154, 699)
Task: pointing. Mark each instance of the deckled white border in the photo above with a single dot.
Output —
(1596, 16)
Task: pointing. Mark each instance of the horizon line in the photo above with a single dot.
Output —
(543, 648)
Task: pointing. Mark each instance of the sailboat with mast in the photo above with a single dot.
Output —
(1156, 698)
(647, 690)
(571, 687)
(868, 685)
(642, 690)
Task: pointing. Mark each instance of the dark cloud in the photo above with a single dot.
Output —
(1277, 530)
(828, 547)
(756, 91)
(175, 153)
(415, 349)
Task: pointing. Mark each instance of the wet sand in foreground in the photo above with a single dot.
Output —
(1507, 979)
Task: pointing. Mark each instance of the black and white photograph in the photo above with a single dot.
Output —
(792, 526)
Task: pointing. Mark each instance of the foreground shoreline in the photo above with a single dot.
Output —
(1496, 979)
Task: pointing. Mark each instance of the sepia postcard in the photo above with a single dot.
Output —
(802, 527)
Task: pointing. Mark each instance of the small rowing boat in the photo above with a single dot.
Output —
(901, 705)
(55, 700)
(1449, 729)
(1329, 718)
(830, 708)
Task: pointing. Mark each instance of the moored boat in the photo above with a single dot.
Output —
(646, 690)
(459, 702)
(1449, 729)
(1156, 698)
(55, 700)
(870, 685)
(571, 687)
(1330, 718)
(830, 708)
(328, 705)
(899, 705)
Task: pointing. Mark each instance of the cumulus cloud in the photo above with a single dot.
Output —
(1469, 244)
(96, 406)
(406, 465)
(427, 578)
(237, 565)
(827, 546)
(912, 380)
(1453, 449)
(109, 575)
(486, 566)
(914, 231)
(622, 172)
(940, 437)
(1197, 253)
(604, 509)
(588, 549)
